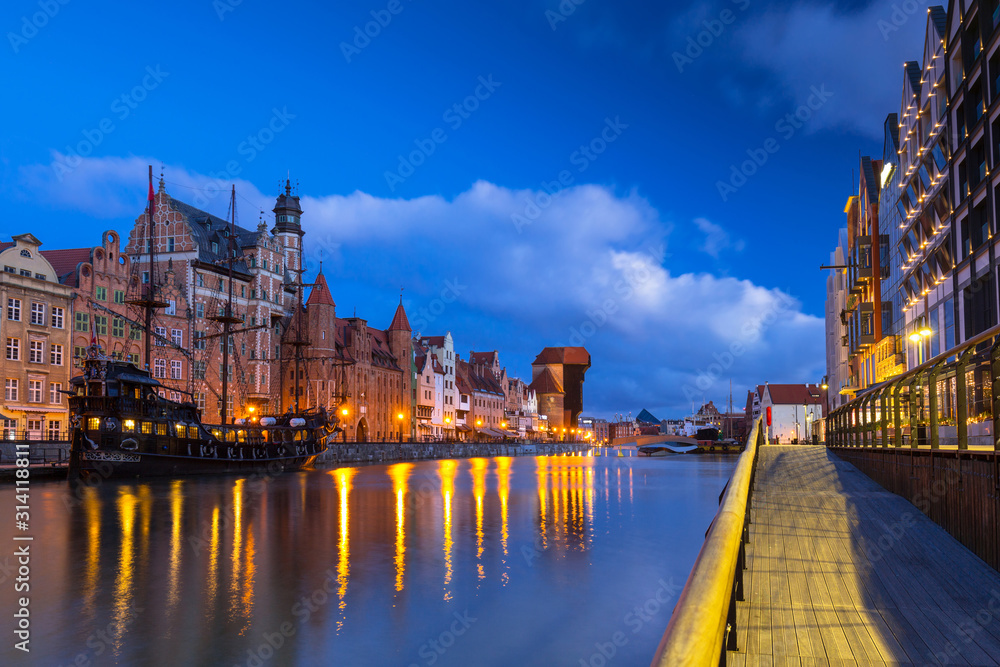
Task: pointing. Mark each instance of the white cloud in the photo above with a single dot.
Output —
(592, 269)
(850, 52)
(717, 239)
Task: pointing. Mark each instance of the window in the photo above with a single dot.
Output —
(57, 317)
(34, 428)
(177, 337)
(175, 396)
(81, 322)
(10, 389)
(161, 333)
(79, 353)
(171, 308)
(199, 310)
(146, 428)
(36, 352)
(101, 325)
(145, 277)
(56, 354)
(199, 340)
(118, 327)
(134, 333)
(13, 349)
(14, 309)
(159, 368)
(55, 393)
(25, 272)
(199, 400)
(101, 293)
(38, 314)
(176, 368)
(9, 269)
(54, 429)
(134, 358)
(198, 370)
(170, 244)
(253, 293)
(119, 296)
(34, 391)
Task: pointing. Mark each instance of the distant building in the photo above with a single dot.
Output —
(557, 378)
(790, 411)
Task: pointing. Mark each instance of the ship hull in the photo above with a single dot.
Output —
(89, 466)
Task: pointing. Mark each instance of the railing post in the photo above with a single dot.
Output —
(995, 378)
(961, 397)
(932, 408)
(897, 430)
(912, 407)
(884, 414)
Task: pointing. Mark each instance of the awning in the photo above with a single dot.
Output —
(463, 427)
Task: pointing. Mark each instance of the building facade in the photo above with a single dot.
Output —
(35, 330)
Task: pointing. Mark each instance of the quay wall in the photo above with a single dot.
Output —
(386, 452)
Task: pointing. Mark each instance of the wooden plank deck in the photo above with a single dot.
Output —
(842, 572)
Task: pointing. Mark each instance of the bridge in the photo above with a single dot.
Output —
(881, 548)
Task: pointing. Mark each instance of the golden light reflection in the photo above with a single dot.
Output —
(400, 474)
(447, 469)
(234, 581)
(542, 463)
(92, 508)
(503, 479)
(127, 502)
(479, 492)
(176, 509)
(213, 560)
(343, 477)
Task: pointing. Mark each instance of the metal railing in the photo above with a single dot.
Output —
(951, 401)
(703, 625)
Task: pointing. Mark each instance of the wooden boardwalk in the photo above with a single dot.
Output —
(842, 572)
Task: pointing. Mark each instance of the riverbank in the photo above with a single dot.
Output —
(367, 452)
(419, 451)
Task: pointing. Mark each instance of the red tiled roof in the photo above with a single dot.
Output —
(399, 320)
(546, 383)
(563, 355)
(320, 293)
(486, 358)
(433, 341)
(795, 394)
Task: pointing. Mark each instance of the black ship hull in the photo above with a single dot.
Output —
(88, 466)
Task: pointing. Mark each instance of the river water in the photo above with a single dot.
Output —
(559, 560)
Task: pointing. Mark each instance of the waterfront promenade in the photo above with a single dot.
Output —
(841, 571)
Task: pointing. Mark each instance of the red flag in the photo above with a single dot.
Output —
(150, 183)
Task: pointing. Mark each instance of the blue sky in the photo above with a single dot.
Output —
(533, 173)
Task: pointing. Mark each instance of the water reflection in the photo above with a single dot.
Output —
(350, 556)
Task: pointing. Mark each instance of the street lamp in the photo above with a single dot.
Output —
(920, 331)
(399, 418)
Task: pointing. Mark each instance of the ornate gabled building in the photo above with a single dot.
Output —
(344, 365)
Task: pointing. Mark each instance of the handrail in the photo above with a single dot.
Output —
(701, 628)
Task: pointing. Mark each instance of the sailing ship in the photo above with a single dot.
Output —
(123, 424)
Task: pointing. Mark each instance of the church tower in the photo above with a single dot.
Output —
(288, 228)
(401, 346)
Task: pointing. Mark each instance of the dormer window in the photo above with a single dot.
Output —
(25, 253)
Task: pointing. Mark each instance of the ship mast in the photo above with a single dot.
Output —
(148, 300)
(227, 318)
